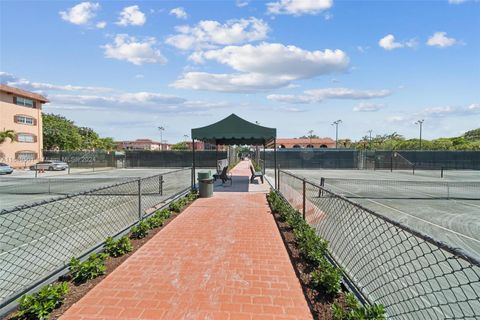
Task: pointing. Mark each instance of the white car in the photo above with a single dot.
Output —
(50, 165)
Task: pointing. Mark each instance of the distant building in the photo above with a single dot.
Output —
(21, 111)
(305, 143)
(142, 144)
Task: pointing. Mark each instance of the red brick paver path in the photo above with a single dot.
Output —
(222, 258)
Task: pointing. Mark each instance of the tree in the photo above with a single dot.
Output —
(7, 134)
(180, 146)
(472, 135)
(61, 133)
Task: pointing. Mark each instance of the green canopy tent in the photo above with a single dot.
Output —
(234, 130)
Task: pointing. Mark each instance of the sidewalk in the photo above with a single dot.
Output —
(222, 258)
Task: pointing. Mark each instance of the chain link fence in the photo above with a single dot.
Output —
(411, 274)
(38, 240)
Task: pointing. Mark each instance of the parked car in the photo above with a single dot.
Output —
(50, 165)
(5, 168)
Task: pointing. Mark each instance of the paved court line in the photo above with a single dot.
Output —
(410, 215)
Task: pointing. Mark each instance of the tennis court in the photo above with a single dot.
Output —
(447, 209)
(22, 188)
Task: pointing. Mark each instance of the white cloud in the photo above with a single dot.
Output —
(210, 34)
(456, 1)
(81, 14)
(227, 82)
(138, 52)
(318, 95)
(131, 16)
(265, 66)
(276, 59)
(440, 39)
(368, 107)
(141, 101)
(14, 81)
(438, 112)
(298, 7)
(474, 107)
(101, 24)
(388, 43)
(179, 13)
(242, 3)
(289, 98)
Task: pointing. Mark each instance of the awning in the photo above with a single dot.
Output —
(235, 130)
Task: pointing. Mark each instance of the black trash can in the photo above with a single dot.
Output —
(205, 185)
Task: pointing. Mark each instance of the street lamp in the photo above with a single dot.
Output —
(161, 129)
(336, 123)
(420, 122)
(310, 133)
(370, 139)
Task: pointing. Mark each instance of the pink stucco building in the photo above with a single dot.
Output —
(21, 111)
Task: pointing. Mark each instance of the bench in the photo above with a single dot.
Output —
(225, 176)
(255, 174)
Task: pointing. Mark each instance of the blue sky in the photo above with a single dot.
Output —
(126, 67)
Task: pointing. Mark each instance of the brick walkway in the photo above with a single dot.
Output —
(222, 258)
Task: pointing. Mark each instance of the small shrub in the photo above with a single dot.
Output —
(175, 206)
(154, 222)
(192, 195)
(91, 268)
(118, 248)
(39, 305)
(327, 278)
(164, 213)
(354, 311)
(312, 247)
(140, 230)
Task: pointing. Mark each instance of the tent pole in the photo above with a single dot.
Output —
(193, 168)
(275, 161)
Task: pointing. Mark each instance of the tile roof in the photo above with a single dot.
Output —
(23, 93)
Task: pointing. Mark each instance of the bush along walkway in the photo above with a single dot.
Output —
(321, 281)
(222, 258)
(54, 299)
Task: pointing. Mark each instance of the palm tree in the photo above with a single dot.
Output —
(7, 134)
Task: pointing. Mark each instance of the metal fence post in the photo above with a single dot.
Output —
(413, 168)
(322, 183)
(140, 213)
(278, 182)
(441, 172)
(304, 197)
(36, 170)
(391, 163)
(93, 166)
(160, 185)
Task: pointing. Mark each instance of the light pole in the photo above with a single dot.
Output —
(420, 122)
(310, 133)
(370, 139)
(161, 129)
(336, 123)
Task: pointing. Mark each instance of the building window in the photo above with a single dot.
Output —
(25, 120)
(24, 102)
(25, 155)
(26, 137)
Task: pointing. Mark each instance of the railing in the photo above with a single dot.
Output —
(39, 239)
(411, 274)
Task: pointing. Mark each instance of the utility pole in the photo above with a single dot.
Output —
(161, 129)
(310, 133)
(420, 122)
(336, 123)
(370, 139)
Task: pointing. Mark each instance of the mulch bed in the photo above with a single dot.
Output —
(77, 291)
(319, 303)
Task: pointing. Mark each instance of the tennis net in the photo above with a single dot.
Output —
(394, 189)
